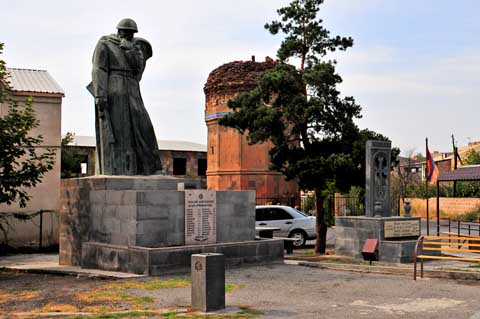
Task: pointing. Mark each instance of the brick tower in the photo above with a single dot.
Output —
(232, 163)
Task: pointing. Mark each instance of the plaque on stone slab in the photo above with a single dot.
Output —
(200, 217)
(401, 228)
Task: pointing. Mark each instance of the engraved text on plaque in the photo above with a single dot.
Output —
(200, 217)
(401, 228)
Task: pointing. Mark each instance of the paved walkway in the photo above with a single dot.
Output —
(48, 263)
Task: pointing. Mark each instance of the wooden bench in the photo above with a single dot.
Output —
(470, 239)
(444, 244)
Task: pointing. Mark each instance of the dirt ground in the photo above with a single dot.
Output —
(273, 291)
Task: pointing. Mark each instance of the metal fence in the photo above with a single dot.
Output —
(457, 227)
(334, 205)
(348, 206)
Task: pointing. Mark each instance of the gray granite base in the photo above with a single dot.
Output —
(141, 211)
(352, 231)
(169, 260)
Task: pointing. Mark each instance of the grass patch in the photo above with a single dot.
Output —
(115, 293)
(102, 296)
(53, 307)
(118, 315)
(98, 309)
(474, 266)
(308, 252)
(154, 284)
(232, 287)
(245, 313)
(18, 295)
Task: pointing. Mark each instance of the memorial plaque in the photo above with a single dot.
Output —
(200, 217)
(401, 228)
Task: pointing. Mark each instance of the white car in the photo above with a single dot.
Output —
(292, 222)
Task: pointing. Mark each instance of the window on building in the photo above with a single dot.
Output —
(179, 166)
(202, 166)
(83, 168)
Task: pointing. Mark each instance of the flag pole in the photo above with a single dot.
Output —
(455, 157)
(426, 184)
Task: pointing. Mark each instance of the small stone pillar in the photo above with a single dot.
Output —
(208, 282)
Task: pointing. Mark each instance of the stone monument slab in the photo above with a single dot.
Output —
(200, 217)
(377, 188)
(396, 235)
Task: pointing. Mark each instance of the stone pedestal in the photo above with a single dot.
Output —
(208, 282)
(137, 224)
(352, 232)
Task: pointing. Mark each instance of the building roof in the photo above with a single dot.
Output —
(181, 146)
(237, 76)
(35, 81)
(464, 173)
(89, 141)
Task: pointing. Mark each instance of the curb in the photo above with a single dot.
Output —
(386, 270)
(62, 272)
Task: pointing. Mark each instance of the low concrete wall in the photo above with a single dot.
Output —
(27, 233)
(449, 207)
(158, 261)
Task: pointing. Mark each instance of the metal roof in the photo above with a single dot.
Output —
(89, 141)
(35, 81)
(181, 146)
(464, 173)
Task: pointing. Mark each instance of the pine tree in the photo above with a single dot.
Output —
(300, 110)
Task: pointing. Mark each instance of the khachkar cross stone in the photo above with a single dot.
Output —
(377, 197)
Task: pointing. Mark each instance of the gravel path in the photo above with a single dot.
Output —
(288, 291)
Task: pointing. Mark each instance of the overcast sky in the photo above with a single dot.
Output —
(414, 67)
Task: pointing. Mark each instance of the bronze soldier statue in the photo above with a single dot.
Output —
(126, 142)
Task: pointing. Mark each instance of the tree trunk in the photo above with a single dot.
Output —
(321, 228)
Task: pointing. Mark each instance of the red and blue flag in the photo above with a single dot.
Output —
(432, 172)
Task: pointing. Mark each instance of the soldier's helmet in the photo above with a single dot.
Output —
(127, 24)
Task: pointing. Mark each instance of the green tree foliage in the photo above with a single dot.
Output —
(315, 140)
(71, 158)
(22, 165)
(472, 158)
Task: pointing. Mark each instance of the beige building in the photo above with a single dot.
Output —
(47, 103)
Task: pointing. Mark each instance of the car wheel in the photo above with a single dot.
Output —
(300, 237)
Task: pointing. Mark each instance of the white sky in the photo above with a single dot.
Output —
(414, 68)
